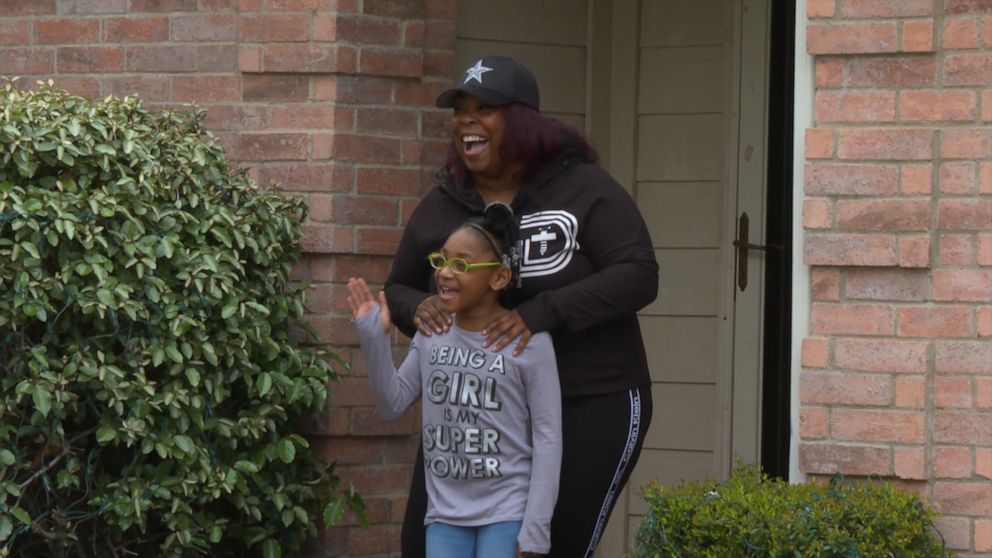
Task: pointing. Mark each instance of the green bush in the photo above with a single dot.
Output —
(751, 516)
(148, 378)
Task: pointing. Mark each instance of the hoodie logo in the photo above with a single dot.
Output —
(549, 241)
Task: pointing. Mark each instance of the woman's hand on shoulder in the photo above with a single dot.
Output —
(503, 329)
(361, 302)
(430, 317)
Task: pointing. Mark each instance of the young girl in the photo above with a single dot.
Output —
(491, 421)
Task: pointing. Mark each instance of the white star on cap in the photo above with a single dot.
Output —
(475, 72)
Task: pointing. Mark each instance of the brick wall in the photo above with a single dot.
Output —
(897, 373)
(333, 99)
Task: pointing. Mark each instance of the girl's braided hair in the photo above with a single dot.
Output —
(498, 226)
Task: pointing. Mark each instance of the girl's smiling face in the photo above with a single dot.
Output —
(473, 293)
(477, 130)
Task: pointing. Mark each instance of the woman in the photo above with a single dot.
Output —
(587, 266)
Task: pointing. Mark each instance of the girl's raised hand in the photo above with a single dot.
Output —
(361, 302)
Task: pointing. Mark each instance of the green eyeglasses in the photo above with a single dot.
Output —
(457, 265)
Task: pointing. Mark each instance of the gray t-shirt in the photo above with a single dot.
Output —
(491, 425)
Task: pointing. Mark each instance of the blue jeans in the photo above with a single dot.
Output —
(496, 540)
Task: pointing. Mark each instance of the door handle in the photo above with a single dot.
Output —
(742, 245)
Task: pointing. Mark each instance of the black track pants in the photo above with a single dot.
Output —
(603, 435)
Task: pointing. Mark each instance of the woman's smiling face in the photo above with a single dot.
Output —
(477, 130)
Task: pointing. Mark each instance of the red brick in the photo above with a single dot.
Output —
(441, 9)
(394, 8)
(415, 93)
(270, 28)
(322, 146)
(886, 284)
(309, 58)
(310, 177)
(954, 531)
(914, 251)
(91, 59)
(163, 5)
(28, 7)
(851, 319)
(934, 321)
(985, 170)
(219, 5)
(816, 213)
(148, 87)
(916, 179)
(896, 71)
(850, 249)
(388, 121)
(883, 215)
(217, 58)
(815, 352)
(378, 240)
(67, 31)
(987, 31)
(963, 427)
(814, 422)
(367, 421)
(965, 143)
(952, 392)
(960, 33)
(368, 149)
(881, 355)
(414, 33)
(271, 146)
(406, 210)
(21, 61)
(365, 210)
(398, 62)
(845, 179)
(303, 116)
(885, 144)
(886, 8)
(952, 462)
(825, 284)
(964, 357)
(967, 6)
(968, 285)
(904, 427)
(910, 463)
(77, 84)
(87, 7)
(391, 181)
(964, 214)
(911, 392)
(372, 269)
(325, 28)
(957, 178)
(205, 28)
(917, 36)
(983, 462)
(828, 459)
(206, 88)
(841, 388)
(850, 38)
(250, 59)
(299, 5)
(819, 143)
(271, 87)
(928, 106)
(968, 69)
(983, 535)
(983, 322)
(855, 106)
(366, 30)
(957, 249)
(320, 210)
(963, 498)
(828, 72)
(820, 8)
(135, 29)
(363, 90)
(165, 58)
(15, 32)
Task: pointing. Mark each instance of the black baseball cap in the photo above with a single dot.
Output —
(496, 81)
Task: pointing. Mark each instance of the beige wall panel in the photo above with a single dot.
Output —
(668, 467)
(682, 80)
(682, 214)
(684, 22)
(681, 147)
(577, 121)
(560, 71)
(560, 22)
(683, 417)
(687, 283)
(680, 349)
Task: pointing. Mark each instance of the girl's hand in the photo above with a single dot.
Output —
(430, 317)
(361, 302)
(503, 329)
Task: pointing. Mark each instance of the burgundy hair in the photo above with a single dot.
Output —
(531, 139)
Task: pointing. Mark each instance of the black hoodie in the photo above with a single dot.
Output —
(588, 267)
